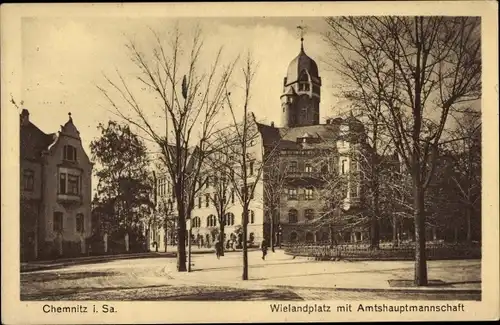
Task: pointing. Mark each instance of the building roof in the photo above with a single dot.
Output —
(299, 63)
(33, 141)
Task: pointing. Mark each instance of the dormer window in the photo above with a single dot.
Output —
(69, 153)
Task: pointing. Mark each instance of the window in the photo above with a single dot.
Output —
(196, 223)
(292, 216)
(309, 214)
(229, 219)
(211, 221)
(324, 168)
(58, 222)
(344, 166)
(73, 184)
(207, 200)
(292, 194)
(80, 223)
(309, 194)
(232, 196)
(309, 238)
(62, 183)
(69, 153)
(251, 216)
(308, 168)
(292, 166)
(199, 202)
(293, 237)
(28, 180)
(207, 181)
(69, 184)
(251, 168)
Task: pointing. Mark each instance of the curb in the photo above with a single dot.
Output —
(406, 290)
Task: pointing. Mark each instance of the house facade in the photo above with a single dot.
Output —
(55, 201)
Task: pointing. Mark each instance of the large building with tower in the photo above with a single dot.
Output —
(303, 151)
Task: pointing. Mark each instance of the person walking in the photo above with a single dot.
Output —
(264, 249)
(217, 249)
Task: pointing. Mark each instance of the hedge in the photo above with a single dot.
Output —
(440, 251)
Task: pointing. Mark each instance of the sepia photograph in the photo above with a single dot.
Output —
(335, 159)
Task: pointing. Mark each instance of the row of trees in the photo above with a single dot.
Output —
(404, 76)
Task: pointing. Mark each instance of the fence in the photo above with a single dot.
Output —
(434, 251)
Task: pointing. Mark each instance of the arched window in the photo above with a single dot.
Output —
(293, 237)
(69, 153)
(211, 221)
(309, 238)
(292, 216)
(229, 218)
(196, 222)
(309, 214)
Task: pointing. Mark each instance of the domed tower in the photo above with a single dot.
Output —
(301, 92)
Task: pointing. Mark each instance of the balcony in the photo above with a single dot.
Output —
(304, 175)
(67, 199)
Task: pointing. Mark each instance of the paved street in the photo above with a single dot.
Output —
(280, 277)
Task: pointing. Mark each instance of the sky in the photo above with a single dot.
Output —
(65, 59)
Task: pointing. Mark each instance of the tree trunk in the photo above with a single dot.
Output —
(245, 249)
(271, 231)
(374, 222)
(181, 239)
(420, 256)
(468, 214)
(221, 237)
(395, 242)
(332, 236)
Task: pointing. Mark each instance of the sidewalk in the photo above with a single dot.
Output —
(280, 270)
(59, 263)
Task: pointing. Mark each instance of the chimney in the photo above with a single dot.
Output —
(25, 117)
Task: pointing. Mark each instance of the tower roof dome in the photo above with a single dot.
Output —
(299, 63)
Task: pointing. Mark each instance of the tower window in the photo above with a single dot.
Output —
(344, 166)
(309, 194)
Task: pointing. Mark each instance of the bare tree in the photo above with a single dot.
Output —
(244, 163)
(462, 155)
(333, 193)
(219, 175)
(189, 102)
(274, 177)
(419, 69)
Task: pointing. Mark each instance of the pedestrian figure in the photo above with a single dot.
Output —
(217, 249)
(264, 249)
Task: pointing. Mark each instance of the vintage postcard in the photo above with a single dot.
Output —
(249, 162)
